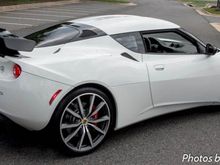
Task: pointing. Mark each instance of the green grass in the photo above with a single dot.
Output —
(114, 1)
(203, 4)
(17, 2)
(199, 3)
(213, 10)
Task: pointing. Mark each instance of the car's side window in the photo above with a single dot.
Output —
(132, 41)
(168, 42)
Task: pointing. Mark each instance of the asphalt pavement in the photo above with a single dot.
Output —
(23, 22)
(162, 140)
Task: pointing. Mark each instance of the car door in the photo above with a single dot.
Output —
(180, 72)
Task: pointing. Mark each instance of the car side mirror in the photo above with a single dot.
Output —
(210, 49)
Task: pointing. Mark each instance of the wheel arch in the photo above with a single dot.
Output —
(103, 88)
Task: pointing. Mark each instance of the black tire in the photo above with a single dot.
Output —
(61, 115)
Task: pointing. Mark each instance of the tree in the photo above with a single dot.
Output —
(218, 3)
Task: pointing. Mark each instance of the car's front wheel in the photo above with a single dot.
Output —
(83, 120)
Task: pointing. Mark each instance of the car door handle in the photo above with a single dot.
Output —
(159, 67)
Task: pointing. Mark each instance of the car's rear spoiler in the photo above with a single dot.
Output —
(10, 44)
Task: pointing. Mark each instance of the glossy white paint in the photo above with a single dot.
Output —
(140, 91)
(26, 100)
(115, 24)
(184, 79)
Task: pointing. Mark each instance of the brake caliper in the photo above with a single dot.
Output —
(96, 115)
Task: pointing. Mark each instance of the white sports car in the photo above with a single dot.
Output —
(86, 77)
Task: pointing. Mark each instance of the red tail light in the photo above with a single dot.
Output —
(16, 70)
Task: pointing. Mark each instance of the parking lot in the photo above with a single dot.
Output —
(162, 140)
(20, 19)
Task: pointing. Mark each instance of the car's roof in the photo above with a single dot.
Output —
(115, 24)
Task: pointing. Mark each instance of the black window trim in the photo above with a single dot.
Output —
(127, 33)
(179, 31)
(99, 33)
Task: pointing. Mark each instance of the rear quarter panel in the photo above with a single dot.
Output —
(26, 100)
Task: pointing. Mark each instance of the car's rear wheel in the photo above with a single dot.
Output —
(83, 120)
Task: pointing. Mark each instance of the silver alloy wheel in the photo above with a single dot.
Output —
(85, 122)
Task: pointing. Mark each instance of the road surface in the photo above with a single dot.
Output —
(162, 140)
